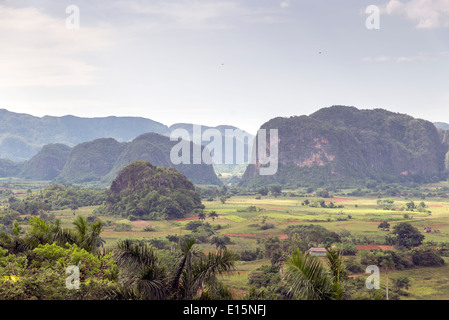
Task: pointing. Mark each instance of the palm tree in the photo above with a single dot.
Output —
(202, 216)
(219, 242)
(195, 273)
(387, 264)
(14, 243)
(310, 280)
(144, 277)
(213, 215)
(42, 232)
(87, 236)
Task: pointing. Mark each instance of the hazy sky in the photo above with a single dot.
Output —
(223, 62)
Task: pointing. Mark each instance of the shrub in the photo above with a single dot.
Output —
(251, 255)
(353, 265)
(427, 257)
(123, 225)
(149, 229)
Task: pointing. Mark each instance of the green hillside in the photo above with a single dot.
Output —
(151, 192)
(90, 161)
(156, 149)
(47, 164)
(346, 146)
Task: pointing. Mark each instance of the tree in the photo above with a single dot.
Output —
(401, 283)
(263, 191)
(310, 280)
(407, 235)
(73, 207)
(384, 225)
(387, 264)
(87, 236)
(410, 205)
(213, 215)
(276, 190)
(195, 272)
(202, 216)
(144, 277)
(220, 242)
(223, 199)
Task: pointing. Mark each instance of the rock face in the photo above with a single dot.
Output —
(343, 145)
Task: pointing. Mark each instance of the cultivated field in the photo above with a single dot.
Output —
(359, 215)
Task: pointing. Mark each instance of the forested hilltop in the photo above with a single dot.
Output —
(347, 146)
(144, 191)
(100, 160)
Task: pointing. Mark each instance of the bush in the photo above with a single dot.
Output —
(347, 249)
(193, 225)
(123, 225)
(353, 265)
(427, 257)
(251, 255)
(266, 226)
(149, 229)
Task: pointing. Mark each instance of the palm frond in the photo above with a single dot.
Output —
(308, 278)
(144, 271)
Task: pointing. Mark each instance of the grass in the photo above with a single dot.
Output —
(234, 218)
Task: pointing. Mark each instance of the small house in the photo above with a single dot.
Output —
(320, 252)
(427, 229)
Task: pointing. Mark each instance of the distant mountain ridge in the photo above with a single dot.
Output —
(240, 137)
(441, 125)
(23, 135)
(99, 161)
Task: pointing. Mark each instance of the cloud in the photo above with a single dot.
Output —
(428, 14)
(376, 59)
(38, 50)
(422, 56)
(197, 14)
(285, 4)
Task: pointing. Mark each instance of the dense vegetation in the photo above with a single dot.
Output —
(90, 161)
(344, 146)
(98, 162)
(33, 266)
(142, 190)
(47, 164)
(56, 197)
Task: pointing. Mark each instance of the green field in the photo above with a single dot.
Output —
(359, 215)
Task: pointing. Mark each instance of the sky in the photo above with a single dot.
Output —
(214, 62)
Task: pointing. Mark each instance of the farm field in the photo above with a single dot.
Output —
(240, 218)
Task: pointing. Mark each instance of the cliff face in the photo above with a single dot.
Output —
(343, 144)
